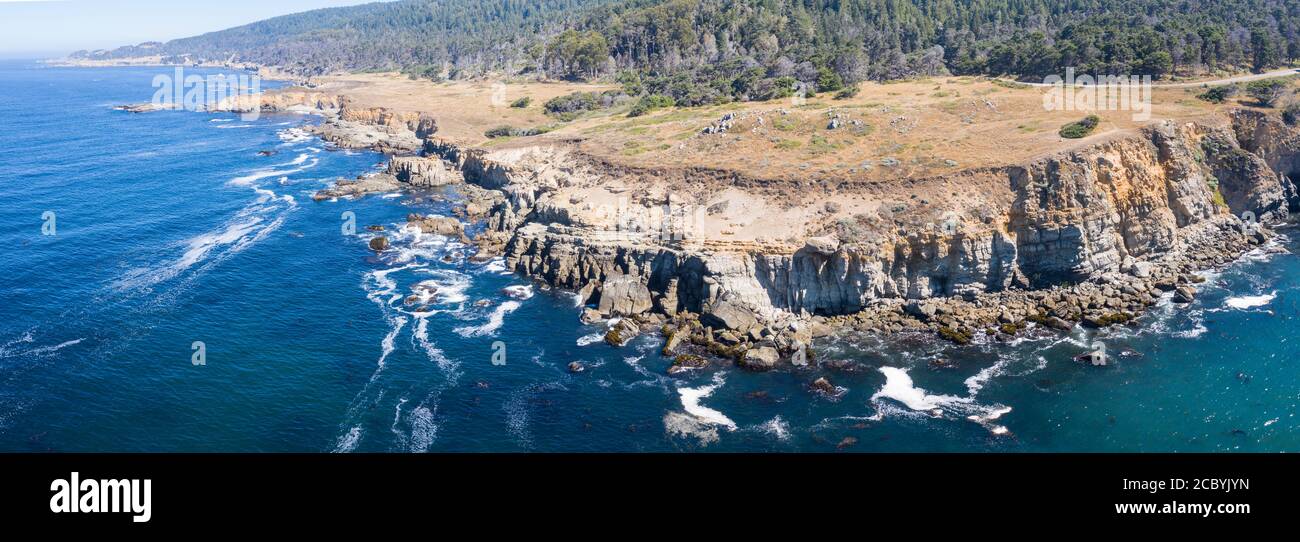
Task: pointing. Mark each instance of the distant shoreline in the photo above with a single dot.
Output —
(265, 72)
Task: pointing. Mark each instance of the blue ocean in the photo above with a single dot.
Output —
(136, 246)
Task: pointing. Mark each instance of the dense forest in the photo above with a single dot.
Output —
(704, 51)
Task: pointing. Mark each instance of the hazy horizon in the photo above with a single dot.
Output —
(46, 28)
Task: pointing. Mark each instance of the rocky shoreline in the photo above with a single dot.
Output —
(1090, 237)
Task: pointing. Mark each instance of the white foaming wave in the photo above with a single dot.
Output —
(222, 120)
(685, 425)
(248, 180)
(397, 417)
(423, 429)
(1198, 326)
(7, 349)
(1244, 302)
(387, 344)
(977, 381)
(386, 347)
(495, 321)
(986, 420)
(252, 224)
(298, 161)
(418, 245)
(348, 441)
(44, 350)
(519, 291)
(294, 135)
(378, 285)
(900, 388)
(496, 265)
(200, 246)
(449, 368)
(777, 427)
(451, 285)
(230, 126)
(590, 339)
(691, 404)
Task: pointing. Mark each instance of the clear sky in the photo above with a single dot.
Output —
(58, 27)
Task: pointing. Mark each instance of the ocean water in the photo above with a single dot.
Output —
(172, 230)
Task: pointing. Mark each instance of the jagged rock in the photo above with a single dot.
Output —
(823, 385)
(591, 316)
(921, 310)
(673, 342)
(728, 314)
(438, 225)
(761, 358)
(421, 171)
(622, 332)
(825, 246)
(624, 295)
(379, 244)
(1184, 294)
(588, 293)
(426, 126)
(1058, 323)
(365, 184)
(687, 362)
(576, 367)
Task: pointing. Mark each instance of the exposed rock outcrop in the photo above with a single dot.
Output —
(421, 171)
(365, 184)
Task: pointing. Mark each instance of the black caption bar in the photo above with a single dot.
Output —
(150, 492)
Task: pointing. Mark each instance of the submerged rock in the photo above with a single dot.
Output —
(824, 385)
(687, 362)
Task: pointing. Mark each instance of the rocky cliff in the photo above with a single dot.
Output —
(1093, 234)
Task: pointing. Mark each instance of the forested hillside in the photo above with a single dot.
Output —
(701, 51)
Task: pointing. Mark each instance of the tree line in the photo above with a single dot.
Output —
(712, 51)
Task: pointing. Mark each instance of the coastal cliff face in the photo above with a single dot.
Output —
(1119, 221)
(1093, 234)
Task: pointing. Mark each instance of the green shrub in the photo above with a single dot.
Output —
(1268, 91)
(1219, 94)
(828, 80)
(650, 103)
(511, 131)
(847, 92)
(569, 106)
(631, 82)
(1080, 129)
(521, 103)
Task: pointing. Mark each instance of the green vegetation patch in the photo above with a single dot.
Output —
(1081, 128)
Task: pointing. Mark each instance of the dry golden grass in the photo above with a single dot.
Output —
(905, 129)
